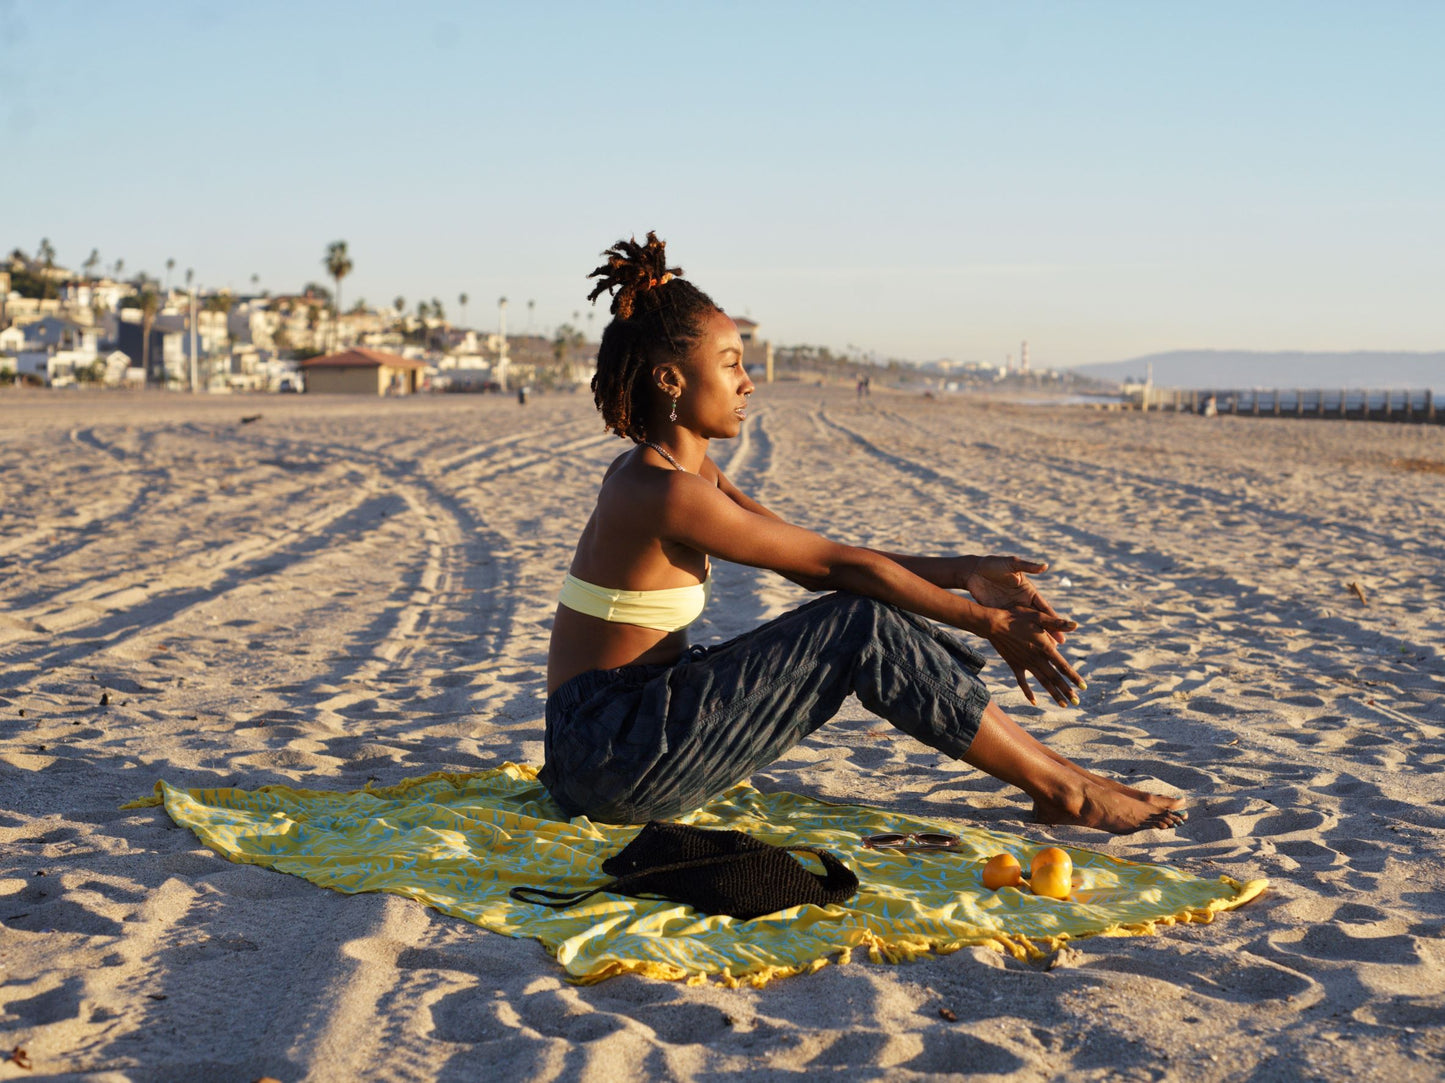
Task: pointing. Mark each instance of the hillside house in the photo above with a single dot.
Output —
(59, 333)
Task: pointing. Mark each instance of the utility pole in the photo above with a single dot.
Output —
(502, 363)
(194, 380)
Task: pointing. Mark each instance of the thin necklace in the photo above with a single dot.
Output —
(663, 452)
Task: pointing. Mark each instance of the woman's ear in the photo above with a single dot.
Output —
(667, 379)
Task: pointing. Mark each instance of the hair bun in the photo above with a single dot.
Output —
(631, 271)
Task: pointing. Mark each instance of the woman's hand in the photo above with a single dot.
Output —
(1026, 639)
(1003, 583)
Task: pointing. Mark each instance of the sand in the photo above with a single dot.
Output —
(349, 590)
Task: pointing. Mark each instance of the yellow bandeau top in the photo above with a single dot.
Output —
(669, 610)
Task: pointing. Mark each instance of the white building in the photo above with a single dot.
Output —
(56, 367)
(103, 294)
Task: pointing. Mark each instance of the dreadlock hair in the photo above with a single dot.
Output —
(657, 316)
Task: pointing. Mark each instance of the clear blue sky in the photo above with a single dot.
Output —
(917, 179)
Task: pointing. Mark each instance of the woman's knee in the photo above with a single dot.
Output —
(883, 619)
(859, 608)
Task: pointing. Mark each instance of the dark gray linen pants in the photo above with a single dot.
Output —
(650, 742)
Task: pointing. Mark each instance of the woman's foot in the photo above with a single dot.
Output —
(1063, 792)
(1158, 800)
(1106, 809)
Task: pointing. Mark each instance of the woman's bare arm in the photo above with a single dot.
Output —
(998, 582)
(709, 516)
(951, 573)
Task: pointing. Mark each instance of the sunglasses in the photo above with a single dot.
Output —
(905, 842)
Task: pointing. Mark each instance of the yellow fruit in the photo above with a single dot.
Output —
(1054, 880)
(1049, 855)
(1051, 873)
(1002, 870)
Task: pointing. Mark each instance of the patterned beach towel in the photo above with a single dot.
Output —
(460, 842)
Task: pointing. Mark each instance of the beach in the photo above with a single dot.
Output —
(331, 592)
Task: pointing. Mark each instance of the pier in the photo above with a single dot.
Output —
(1412, 406)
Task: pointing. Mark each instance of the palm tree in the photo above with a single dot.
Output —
(119, 267)
(170, 266)
(92, 261)
(530, 306)
(437, 310)
(338, 266)
(46, 255)
(568, 341)
(462, 300)
(255, 281)
(150, 303)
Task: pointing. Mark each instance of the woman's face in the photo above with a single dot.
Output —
(715, 386)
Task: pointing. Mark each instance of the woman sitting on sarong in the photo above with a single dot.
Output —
(642, 726)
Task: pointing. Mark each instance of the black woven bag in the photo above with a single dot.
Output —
(715, 872)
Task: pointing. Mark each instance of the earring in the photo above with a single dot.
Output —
(673, 416)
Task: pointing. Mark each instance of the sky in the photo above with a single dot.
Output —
(915, 180)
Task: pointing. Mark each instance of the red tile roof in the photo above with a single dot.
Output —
(360, 358)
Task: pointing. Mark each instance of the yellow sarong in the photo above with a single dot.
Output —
(460, 842)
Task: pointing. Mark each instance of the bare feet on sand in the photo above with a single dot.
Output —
(1158, 800)
(1108, 809)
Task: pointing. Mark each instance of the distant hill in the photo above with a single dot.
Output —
(1223, 369)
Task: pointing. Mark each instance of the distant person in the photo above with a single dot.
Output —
(522, 396)
(642, 726)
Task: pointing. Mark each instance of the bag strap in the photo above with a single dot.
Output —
(571, 898)
(836, 875)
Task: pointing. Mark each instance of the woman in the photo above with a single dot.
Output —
(641, 726)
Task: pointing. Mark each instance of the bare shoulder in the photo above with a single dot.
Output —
(633, 487)
(617, 463)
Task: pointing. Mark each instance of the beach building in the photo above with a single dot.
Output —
(87, 296)
(757, 352)
(56, 368)
(117, 368)
(59, 333)
(167, 351)
(360, 371)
